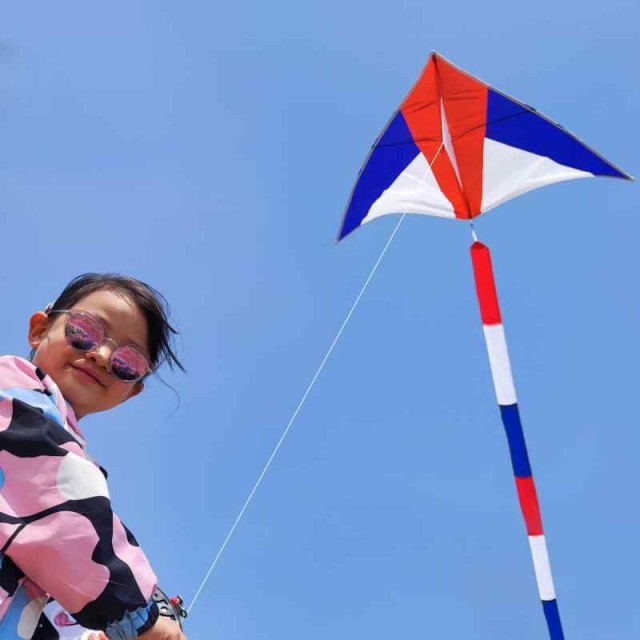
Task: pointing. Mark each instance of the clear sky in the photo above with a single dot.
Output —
(209, 148)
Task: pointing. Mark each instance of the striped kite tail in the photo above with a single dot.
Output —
(506, 394)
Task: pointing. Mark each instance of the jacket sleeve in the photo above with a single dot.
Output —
(58, 527)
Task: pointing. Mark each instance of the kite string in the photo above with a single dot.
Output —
(301, 403)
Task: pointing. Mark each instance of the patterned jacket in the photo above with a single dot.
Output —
(58, 534)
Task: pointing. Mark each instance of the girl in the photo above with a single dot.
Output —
(91, 350)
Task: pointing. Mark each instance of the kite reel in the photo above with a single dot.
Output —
(172, 608)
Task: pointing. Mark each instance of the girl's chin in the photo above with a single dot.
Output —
(76, 395)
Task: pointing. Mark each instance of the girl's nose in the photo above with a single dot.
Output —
(100, 355)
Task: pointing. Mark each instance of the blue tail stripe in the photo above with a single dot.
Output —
(552, 615)
(515, 438)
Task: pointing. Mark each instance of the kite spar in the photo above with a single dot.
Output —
(456, 148)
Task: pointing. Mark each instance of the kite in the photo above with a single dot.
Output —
(457, 148)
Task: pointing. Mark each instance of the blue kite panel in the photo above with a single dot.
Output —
(392, 154)
(515, 437)
(517, 126)
(552, 615)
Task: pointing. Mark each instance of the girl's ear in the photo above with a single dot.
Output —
(137, 388)
(38, 325)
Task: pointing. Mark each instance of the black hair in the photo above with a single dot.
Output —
(151, 302)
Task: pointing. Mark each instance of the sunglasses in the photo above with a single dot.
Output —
(85, 333)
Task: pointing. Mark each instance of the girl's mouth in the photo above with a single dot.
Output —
(86, 375)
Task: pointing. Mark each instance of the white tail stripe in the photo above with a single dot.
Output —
(542, 567)
(500, 364)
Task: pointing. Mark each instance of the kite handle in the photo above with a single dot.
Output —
(172, 608)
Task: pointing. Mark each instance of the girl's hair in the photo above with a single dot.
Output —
(152, 303)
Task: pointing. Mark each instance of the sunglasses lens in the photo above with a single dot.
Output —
(82, 332)
(129, 364)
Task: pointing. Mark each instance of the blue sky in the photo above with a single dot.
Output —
(209, 149)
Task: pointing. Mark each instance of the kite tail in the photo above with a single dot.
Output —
(506, 394)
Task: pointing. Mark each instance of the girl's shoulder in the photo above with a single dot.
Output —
(21, 380)
(18, 372)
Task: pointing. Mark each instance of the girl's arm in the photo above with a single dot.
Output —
(57, 524)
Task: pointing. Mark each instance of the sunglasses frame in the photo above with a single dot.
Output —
(69, 313)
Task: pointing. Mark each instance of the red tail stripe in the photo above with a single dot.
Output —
(529, 505)
(485, 285)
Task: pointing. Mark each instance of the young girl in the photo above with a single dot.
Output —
(91, 350)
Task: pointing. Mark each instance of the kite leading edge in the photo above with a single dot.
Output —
(457, 148)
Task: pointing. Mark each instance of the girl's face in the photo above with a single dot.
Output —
(83, 377)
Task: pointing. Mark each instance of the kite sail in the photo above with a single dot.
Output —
(456, 148)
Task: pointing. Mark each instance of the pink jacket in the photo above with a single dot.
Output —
(58, 533)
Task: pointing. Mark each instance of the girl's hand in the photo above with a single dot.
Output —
(164, 629)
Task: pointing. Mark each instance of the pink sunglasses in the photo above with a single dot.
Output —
(85, 333)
